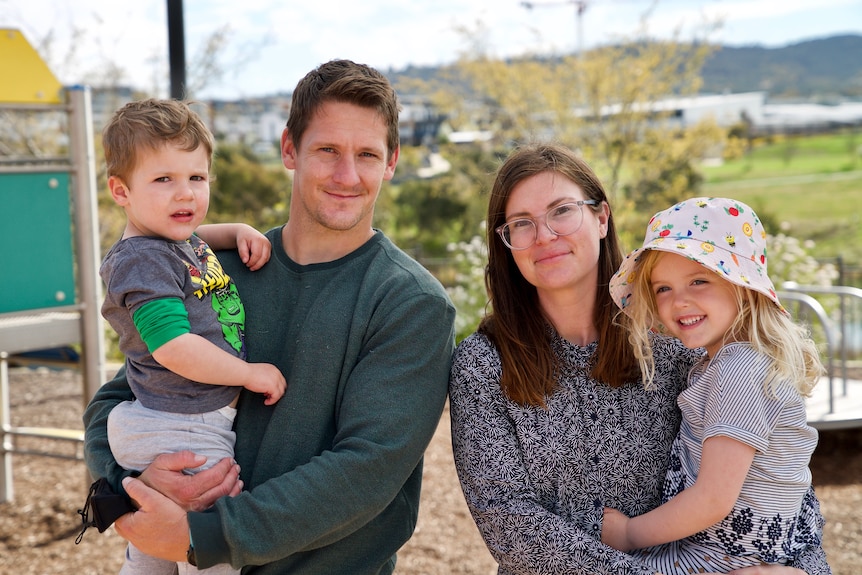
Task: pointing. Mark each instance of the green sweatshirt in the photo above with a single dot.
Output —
(333, 471)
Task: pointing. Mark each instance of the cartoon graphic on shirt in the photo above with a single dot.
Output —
(231, 315)
(224, 296)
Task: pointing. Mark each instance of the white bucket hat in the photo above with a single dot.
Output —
(722, 235)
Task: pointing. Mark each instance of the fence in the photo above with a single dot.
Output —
(838, 314)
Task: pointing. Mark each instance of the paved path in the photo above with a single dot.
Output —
(846, 409)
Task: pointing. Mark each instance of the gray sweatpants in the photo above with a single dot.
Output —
(138, 434)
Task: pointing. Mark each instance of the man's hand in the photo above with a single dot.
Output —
(191, 492)
(159, 527)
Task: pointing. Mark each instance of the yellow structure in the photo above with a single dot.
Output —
(24, 76)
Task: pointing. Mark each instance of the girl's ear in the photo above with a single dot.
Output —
(119, 191)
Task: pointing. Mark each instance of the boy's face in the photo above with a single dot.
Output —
(167, 194)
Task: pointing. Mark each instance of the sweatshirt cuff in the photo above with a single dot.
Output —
(211, 547)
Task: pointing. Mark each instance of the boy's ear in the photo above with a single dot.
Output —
(118, 189)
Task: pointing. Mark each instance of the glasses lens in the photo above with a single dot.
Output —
(565, 219)
(519, 234)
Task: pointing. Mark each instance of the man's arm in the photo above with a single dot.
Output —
(97, 453)
(193, 492)
(387, 414)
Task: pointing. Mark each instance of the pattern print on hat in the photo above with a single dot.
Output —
(723, 235)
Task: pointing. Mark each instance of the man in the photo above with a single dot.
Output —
(363, 334)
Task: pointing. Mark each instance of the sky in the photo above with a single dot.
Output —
(271, 44)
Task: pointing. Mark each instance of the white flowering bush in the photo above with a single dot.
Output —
(790, 260)
(467, 289)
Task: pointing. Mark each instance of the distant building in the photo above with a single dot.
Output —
(419, 122)
(259, 122)
(796, 118)
(250, 121)
(106, 101)
(725, 109)
(752, 108)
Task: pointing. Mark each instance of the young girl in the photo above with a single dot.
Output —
(739, 465)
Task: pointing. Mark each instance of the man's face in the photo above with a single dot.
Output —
(339, 166)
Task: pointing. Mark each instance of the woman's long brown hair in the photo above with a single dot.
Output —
(515, 322)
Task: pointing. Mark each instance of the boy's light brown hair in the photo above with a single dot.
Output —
(150, 124)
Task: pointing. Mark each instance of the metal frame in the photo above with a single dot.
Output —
(39, 329)
(835, 330)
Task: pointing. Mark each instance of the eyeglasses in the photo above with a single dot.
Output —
(562, 220)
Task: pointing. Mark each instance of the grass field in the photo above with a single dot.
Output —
(809, 188)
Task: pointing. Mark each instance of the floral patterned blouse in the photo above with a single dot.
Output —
(536, 480)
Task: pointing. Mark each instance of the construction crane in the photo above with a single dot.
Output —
(580, 8)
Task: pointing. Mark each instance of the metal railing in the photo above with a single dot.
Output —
(841, 325)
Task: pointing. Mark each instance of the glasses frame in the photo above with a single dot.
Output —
(580, 203)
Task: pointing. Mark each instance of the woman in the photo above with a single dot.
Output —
(550, 422)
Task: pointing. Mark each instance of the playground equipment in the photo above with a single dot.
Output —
(49, 242)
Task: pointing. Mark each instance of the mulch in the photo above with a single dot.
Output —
(38, 529)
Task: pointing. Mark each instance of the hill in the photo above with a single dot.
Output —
(824, 69)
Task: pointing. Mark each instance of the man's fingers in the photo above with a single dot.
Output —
(142, 496)
(159, 527)
(139, 492)
(213, 483)
(179, 460)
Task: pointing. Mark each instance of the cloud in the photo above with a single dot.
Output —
(272, 44)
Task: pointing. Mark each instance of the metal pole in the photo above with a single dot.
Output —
(177, 49)
(7, 489)
(87, 239)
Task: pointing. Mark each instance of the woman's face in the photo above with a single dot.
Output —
(557, 263)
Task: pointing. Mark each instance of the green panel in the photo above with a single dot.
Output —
(36, 269)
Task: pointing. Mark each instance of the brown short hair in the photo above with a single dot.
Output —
(348, 82)
(150, 124)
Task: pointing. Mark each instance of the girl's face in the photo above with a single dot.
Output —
(557, 263)
(697, 306)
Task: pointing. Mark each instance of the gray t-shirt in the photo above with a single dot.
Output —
(140, 270)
